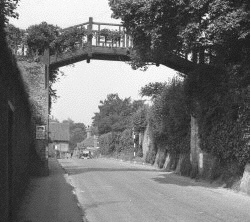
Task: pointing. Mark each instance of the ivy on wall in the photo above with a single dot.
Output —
(139, 119)
(219, 98)
(170, 119)
(115, 143)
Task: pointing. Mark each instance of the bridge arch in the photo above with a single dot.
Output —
(96, 46)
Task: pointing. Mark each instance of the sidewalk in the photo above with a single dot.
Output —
(50, 199)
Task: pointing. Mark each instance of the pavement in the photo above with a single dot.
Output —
(109, 190)
(119, 191)
(50, 199)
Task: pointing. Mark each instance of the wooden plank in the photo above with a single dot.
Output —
(109, 24)
(89, 37)
(74, 26)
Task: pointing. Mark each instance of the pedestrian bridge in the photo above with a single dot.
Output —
(98, 44)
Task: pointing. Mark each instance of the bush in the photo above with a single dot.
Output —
(107, 143)
(220, 100)
(150, 156)
(116, 143)
(170, 119)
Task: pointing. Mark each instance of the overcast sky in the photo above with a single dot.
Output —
(84, 85)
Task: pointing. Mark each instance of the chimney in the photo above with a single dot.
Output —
(89, 132)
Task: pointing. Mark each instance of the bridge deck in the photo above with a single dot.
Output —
(96, 45)
(98, 52)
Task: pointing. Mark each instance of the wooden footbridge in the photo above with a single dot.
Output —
(95, 45)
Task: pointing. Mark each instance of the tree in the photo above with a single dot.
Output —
(115, 114)
(39, 37)
(15, 36)
(167, 26)
(67, 40)
(7, 9)
(153, 90)
(77, 132)
(139, 119)
(220, 100)
(170, 119)
(215, 32)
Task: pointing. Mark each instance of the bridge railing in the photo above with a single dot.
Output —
(103, 35)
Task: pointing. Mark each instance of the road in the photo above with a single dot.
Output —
(116, 191)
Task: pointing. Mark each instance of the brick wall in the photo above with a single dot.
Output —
(33, 74)
(18, 156)
(15, 135)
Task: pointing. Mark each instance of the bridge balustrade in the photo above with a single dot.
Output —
(103, 35)
(106, 41)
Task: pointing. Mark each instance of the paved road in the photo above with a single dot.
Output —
(115, 191)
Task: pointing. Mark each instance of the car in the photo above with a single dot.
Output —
(85, 155)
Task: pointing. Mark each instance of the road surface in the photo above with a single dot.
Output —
(116, 191)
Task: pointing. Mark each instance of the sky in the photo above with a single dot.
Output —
(84, 85)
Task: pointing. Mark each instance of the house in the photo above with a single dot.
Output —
(59, 134)
(89, 144)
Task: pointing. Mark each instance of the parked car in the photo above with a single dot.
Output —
(85, 155)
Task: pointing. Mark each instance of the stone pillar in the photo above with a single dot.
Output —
(195, 147)
(146, 143)
(89, 132)
(245, 181)
(36, 76)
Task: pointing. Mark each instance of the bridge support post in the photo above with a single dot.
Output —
(89, 39)
(47, 88)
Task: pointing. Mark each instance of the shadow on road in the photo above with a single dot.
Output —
(97, 204)
(172, 178)
(162, 177)
(81, 170)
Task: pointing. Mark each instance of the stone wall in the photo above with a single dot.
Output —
(245, 180)
(147, 142)
(16, 135)
(194, 147)
(196, 163)
(19, 156)
(34, 76)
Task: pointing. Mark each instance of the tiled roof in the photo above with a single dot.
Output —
(88, 142)
(59, 131)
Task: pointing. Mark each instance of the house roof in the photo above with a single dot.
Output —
(88, 142)
(59, 131)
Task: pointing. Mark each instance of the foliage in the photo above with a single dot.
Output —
(153, 90)
(68, 40)
(170, 119)
(125, 143)
(107, 143)
(150, 156)
(77, 132)
(169, 26)
(220, 99)
(39, 37)
(140, 119)
(110, 34)
(7, 9)
(115, 114)
(15, 36)
(116, 143)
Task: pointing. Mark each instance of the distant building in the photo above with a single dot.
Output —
(59, 134)
(90, 143)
